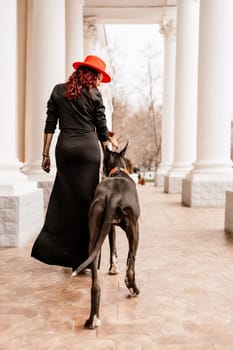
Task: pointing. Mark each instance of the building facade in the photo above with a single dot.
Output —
(39, 41)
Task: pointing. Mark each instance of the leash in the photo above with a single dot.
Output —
(117, 170)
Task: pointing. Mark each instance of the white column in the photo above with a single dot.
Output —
(9, 164)
(11, 179)
(185, 94)
(21, 203)
(167, 152)
(212, 175)
(228, 222)
(45, 69)
(90, 35)
(94, 44)
(74, 33)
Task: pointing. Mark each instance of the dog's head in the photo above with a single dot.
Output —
(114, 159)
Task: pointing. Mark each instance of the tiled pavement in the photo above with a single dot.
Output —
(184, 270)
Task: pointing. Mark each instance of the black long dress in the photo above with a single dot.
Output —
(64, 237)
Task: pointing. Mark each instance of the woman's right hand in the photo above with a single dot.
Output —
(112, 139)
(46, 164)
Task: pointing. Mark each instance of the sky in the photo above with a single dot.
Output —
(131, 45)
(133, 37)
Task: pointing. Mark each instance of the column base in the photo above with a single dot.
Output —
(21, 217)
(159, 180)
(205, 192)
(34, 172)
(46, 186)
(10, 175)
(228, 225)
(44, 180)
(173, 182)
(160, 174)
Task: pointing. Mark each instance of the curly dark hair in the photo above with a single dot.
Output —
(83, 76)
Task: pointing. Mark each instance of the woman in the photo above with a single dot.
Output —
(78, 107)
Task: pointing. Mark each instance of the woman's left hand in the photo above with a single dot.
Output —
(46, 164)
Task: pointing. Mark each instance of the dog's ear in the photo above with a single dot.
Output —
(122, 152)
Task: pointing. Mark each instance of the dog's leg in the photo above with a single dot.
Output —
(94, 320)
(132, 233)
(114, 267)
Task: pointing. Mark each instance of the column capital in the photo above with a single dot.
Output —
(77, 2)
(74, 33)
(178, 2)
(168, 28)
(90, 34)
(90, 29)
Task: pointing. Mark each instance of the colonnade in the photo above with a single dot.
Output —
(40, 40)
(55, 42)
(198, 79)
(201, 169)
(21, 202)
(53, 37)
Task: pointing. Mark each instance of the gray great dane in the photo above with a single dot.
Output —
(115, 203)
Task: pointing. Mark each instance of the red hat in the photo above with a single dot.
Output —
(95, 63)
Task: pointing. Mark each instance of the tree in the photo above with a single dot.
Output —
(137, 102)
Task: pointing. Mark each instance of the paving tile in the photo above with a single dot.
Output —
(189, 346)
(184, 270)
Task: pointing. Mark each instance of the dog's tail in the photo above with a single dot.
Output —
(98, 244)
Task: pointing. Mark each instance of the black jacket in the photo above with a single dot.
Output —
(85, 113)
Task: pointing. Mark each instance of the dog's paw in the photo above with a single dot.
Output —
(133, 292)
(114, 269)
(93, 322)
(132, 288)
